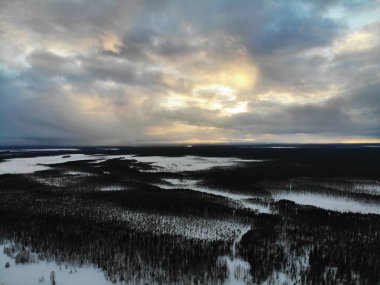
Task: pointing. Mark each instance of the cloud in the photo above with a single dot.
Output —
(123, 72)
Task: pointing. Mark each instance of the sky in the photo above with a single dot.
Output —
(101, 72)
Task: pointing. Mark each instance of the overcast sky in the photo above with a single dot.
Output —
(103, 72)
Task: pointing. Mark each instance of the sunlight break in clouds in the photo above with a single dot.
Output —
(137, 72)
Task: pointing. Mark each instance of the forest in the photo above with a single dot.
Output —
(116, 215)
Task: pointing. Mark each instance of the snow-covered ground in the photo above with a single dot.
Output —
(367, 188)
(111, 188)
(190, 163)
(283, 147)
(49, 149)
(196, 163)
(238, 270)
(37, 163)
(78, 173)
(161, 163)
(324, 201)
(32, 273)
(370, 146)
(191, 184)
(180, 163)
(190, 227)
(329, 202)
(38, 149)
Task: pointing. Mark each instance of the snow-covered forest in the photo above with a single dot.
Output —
(201, 215)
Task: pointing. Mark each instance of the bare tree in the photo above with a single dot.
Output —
(52, 278)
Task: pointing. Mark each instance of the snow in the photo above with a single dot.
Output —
(368, 188)
(191, 184)
(278, 277)
(49, 149)
(283, 147)
(103, 158)
(161, 163)
(78, 173)
(190, 227)
(371, 187)
(370, 146)
(238, 270)
(181, 163)
(38, 149)
(37, 163)
(111, 188)
(324, 201)
(30, 273)
(330, 202)
(55, 182)
(264, 209)
(190, 163)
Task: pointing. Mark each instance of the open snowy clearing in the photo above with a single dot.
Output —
(32, 273)
(38, 163)
(191, 184)
(180, 163)
(161, 163)
(330, 202)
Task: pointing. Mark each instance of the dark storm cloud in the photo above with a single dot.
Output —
(287, 27)
(149, 71)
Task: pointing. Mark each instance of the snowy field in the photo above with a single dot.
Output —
(195, 163)
(323, 201)
(240, 199)
(160, 163)
(181, 163)
(38, 163)
(223, 216)
(38, 149)
(330, 202)
(39, 272)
